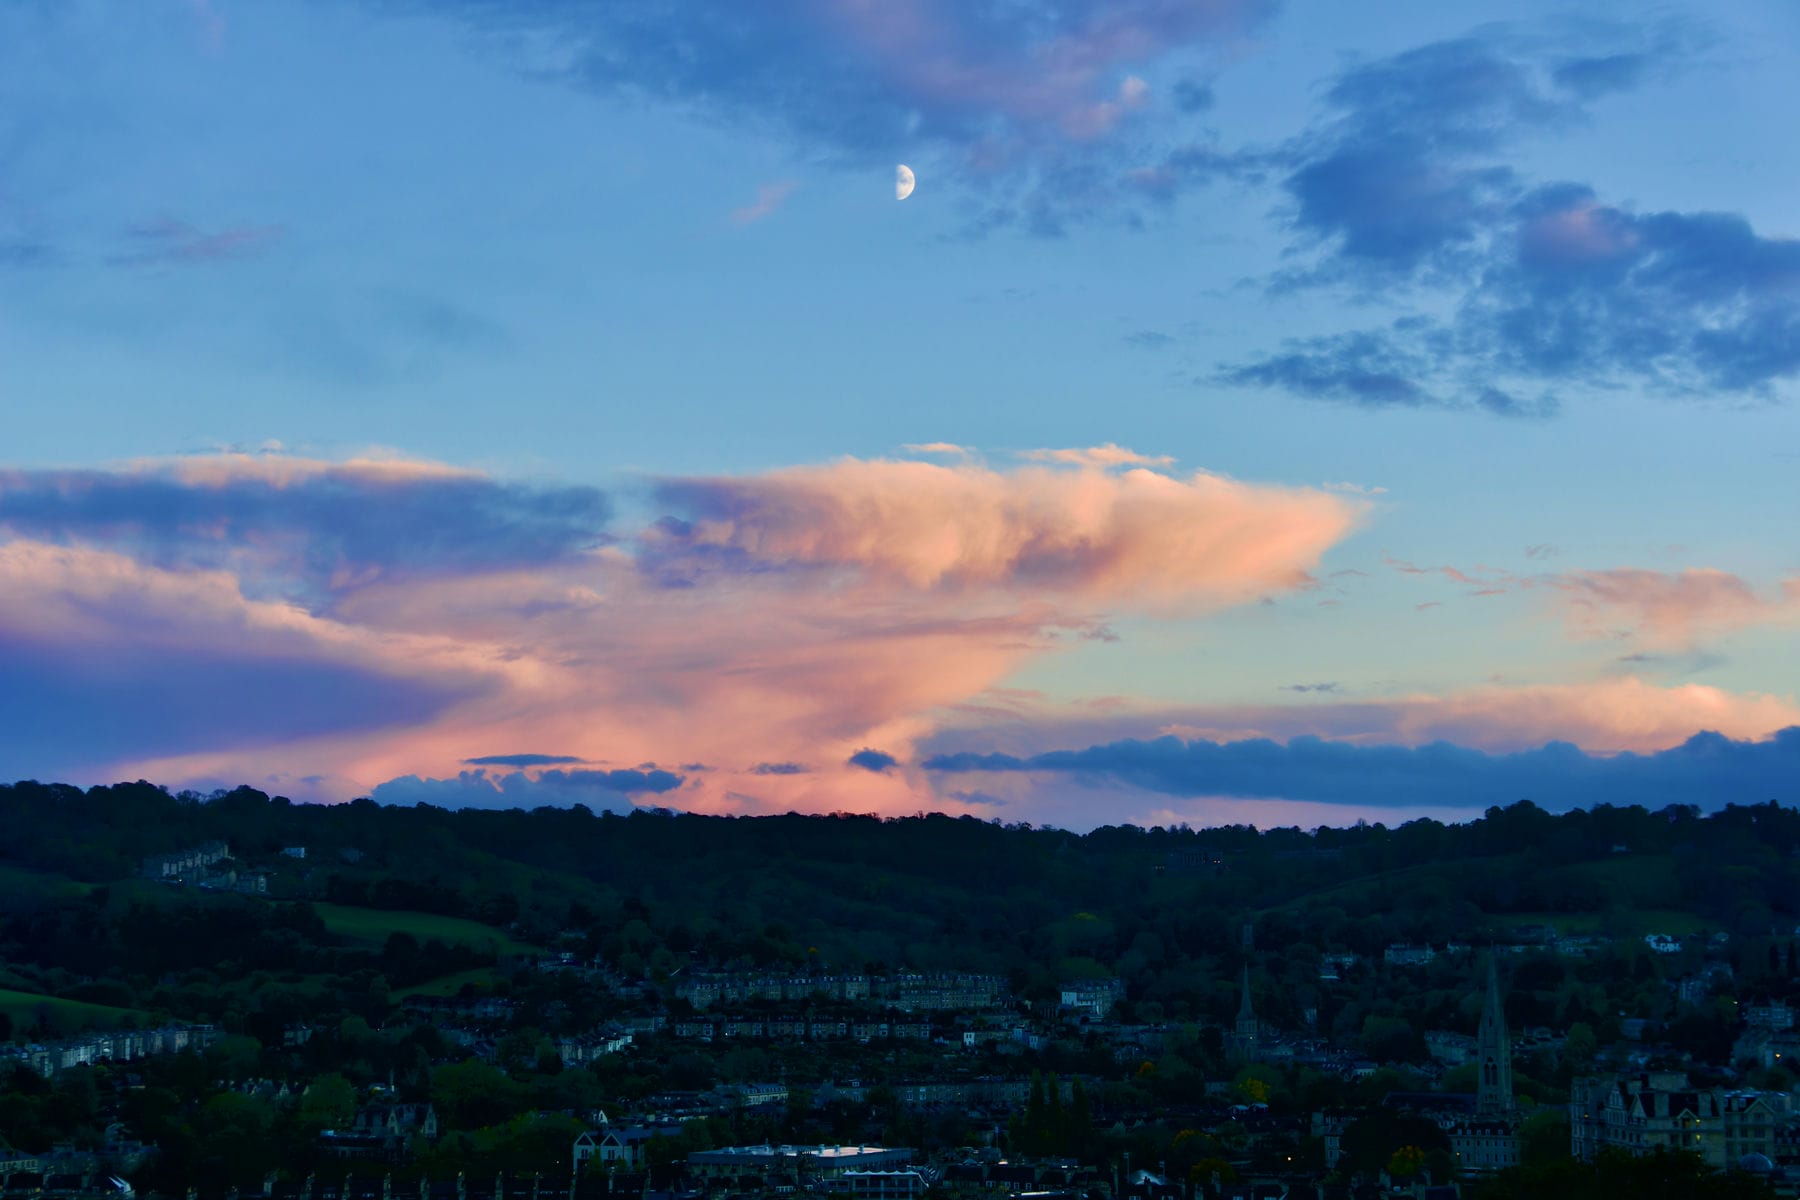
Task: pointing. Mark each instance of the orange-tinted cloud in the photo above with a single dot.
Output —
(802, 616)
(1136, 537)
(1667, 609)
(1604, 716)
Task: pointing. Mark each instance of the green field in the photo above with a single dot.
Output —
(373, 925)
(1631, 922)
(448, 985)
(23, 882)
(65, 1016)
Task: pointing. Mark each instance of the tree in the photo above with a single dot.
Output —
(329, 1102)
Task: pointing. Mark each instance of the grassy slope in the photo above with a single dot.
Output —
(373, 925)
(65, 1015)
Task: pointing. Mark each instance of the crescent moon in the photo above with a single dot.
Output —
(903, 182)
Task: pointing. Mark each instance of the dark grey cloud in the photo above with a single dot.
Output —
(779, 768)
(600, 790)
(1548, 284)
(878, 761)
(1364, 370)
(65, 707)
(313, 529)
(1708, 769)
(522, 760)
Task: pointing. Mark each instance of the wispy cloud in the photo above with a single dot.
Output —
(171, 241)
(769, 197)
(1105, 456)
(1028, 107)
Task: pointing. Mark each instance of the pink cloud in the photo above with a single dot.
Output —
(913, 588)
(769, 197)
(168, 240)
(1073, 81)
(1108, 455)
(1667, 609)
(1603, 716)
(1136, 538)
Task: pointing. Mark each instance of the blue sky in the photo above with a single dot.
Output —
(1494, 311)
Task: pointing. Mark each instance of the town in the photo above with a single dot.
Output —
(246, 1040)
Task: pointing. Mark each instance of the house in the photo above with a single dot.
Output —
(884, 1185)
(1662, 943)
(1639, 1113)
(179, 863)
(1404, 954)
(618, 1148)
(1093, 996)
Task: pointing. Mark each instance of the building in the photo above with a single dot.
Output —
(1640, 1113)
(1489, 1140)
(804, 1161)
(179, 863)
(1093, 996)
(884, 1185)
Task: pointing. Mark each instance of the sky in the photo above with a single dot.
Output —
(1258, 413)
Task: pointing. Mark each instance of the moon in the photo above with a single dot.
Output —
(903, 182)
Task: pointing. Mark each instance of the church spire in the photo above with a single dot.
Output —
(1248, 1030)
(1493, 1052)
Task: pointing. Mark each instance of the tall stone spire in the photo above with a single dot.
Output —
(1245, 1035)
(1493, 1053)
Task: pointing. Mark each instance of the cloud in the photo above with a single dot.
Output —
(1134, 537)
(1609, 715)
(522, 760)
(605, 791)
(1363, 370)
(110, 659)
(778, 768)
(1668, 609)
(168, 241)
(1029, 106)
(950, 448)
(1149, 339)
(387, 615)
(1108, 455)
(304, 528)
(1321, 688)
(769, 197)
(1544, 283)
(1660, 608)
(877, 761)
(1707, 767)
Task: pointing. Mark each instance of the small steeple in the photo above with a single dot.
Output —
(1245, 1011)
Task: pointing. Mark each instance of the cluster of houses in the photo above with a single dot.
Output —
(797, 1029)
(117, 1045)
(200, 866)
(907, 991)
